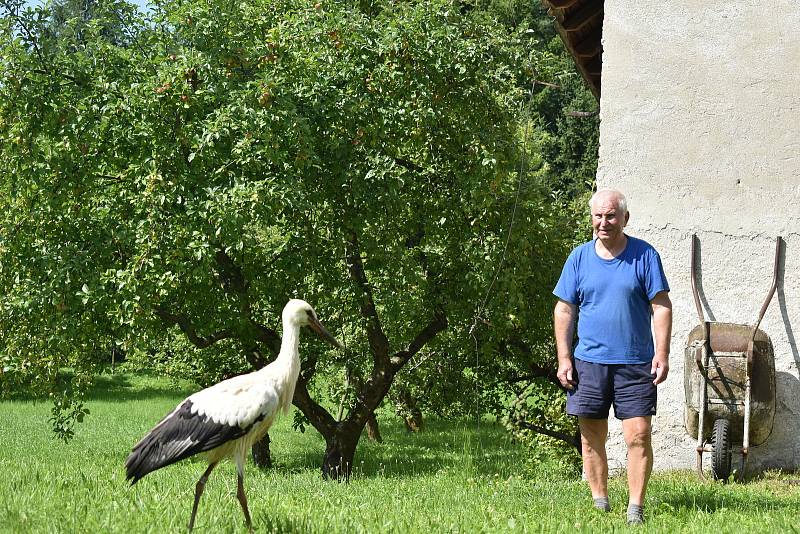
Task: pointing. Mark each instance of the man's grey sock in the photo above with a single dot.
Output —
(601, 503)
(635, 514)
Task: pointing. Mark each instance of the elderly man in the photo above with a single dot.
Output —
(613, 285)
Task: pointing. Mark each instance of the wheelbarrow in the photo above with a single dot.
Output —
(729, 381)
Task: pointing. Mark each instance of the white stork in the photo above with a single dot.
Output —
(224, 420)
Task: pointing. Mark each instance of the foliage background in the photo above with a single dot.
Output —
(197, 166)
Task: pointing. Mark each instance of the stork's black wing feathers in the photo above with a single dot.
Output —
(179, 435)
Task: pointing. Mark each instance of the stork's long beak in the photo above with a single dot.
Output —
(317, 327)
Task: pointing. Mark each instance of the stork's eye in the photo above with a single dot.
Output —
(310, 314)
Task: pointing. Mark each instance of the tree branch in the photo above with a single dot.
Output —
(232, 278)
(256, 358)
(548, 372)
(434, 278)
(407, 165)
(357, 382)
(538, 372)
(316, 414)
(575, 440)
(437, 324)
(183, 322)
(378, 342)
(234, 282)
(268, 336)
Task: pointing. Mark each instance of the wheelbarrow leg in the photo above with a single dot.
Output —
(746, 440)
(746, 436)
(702, 364)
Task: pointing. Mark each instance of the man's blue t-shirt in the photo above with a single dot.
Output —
(613, 299)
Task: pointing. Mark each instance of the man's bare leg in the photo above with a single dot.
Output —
(595, 462)
(637, 431)
(640, 456)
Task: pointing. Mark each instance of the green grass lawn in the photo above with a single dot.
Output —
(452, 478)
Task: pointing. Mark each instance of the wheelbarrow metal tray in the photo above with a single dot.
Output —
(726, 375)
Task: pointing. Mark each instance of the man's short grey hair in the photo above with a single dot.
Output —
(622, 202)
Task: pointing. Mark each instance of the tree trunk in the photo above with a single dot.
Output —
(261, 454)
(341, 436)
(413, 420)
(373, 432)
(406, 407)
(337, 464)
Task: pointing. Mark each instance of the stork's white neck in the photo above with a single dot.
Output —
(290, 342)
(288, 363)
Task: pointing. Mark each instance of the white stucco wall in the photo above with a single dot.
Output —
(700, 127)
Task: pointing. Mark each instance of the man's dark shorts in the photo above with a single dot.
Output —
(628, 386)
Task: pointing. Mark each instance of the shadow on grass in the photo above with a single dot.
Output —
(460, 445)
(444, 445)
(710, 498)
(266, 523)
(120, 387)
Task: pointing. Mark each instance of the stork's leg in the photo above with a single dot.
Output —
(198, 491)
(243, 499)
(240, 491)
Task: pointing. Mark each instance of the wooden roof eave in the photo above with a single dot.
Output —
(580, 25)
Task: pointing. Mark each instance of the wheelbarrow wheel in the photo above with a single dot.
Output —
(721, 461)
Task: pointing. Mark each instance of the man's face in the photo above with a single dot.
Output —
(607, 220)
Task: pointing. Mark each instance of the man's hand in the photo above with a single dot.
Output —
(564, 374)
(660, 368)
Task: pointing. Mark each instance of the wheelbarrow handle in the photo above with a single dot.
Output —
(772, 287)
(694, 281)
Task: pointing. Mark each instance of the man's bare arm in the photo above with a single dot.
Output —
(662, 326)
(564, 317)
